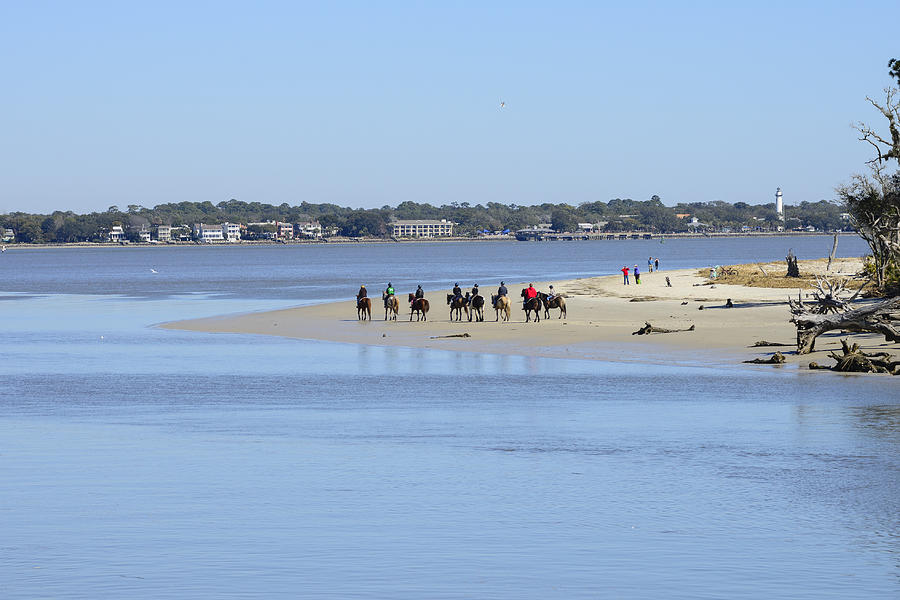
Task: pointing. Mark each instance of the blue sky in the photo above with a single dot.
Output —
(371, 103)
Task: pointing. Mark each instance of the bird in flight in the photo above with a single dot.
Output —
(154, 271)
(502, 103)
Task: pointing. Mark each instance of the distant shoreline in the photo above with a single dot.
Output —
(339, 240)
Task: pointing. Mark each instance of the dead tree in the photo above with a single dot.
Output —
(833, 250)
(792, 269)
(873, 318)
(830, 296)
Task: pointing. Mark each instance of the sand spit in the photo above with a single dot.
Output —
(602, 315)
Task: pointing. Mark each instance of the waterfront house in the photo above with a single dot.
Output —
(208, 233)
(116, 234)
(421, 228)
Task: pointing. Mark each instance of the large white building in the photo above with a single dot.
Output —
(231, 232)
(116, 233)
(164, 233)
(208, 233)
(309, 229)
(422, 228)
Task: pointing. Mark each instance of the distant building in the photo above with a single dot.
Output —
(208, 233)
(164, 233)
(422, 228)
(116, 234)
(231, 232)
(682, 215)
(284, 231)
(309, 229)
(8, 235)
(144, 234)
(779, 204)
(585, 227)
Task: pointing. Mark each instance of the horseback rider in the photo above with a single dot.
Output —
(362, 293)
(551, 295)
(388, 293)
(530, 294)
(475, 291)
(501, 292)
(420, 293)
(457, 291)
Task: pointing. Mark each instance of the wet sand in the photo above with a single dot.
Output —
(602, 315)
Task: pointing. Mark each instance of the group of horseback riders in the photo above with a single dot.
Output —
(531, 299)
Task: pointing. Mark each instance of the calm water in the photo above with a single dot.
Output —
(142, 463)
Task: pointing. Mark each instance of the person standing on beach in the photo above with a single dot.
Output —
(637, 276)
(656, 263)
(650, 265)
(625, 273)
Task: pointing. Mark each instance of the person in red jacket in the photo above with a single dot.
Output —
(625, 273)
(530, 293)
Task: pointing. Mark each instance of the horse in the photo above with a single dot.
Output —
(532, 305)
(457, 304)
(363, 309)
(477, 308)
(418, 307)
(501, 307)
(391, 306)
(557, 302)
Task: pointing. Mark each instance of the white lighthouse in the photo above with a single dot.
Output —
(779, 204)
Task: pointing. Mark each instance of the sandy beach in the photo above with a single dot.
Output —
(602, 315)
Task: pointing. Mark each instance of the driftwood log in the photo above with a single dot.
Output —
(764, 344)
(854, 360)
(647, 329)
(775, 359)
(873, 318)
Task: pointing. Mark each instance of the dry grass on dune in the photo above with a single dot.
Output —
(774, 275)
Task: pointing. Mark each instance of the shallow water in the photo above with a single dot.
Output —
(145, 463)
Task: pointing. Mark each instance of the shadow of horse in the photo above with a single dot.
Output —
(363, 309)
(477, 309)
(391, 306)
(557, 302)
(501, 307)
(532, 305)
(457, 305)
(418, 307)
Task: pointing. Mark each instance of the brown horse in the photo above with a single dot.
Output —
(457, 304)
(557, 302)
(477, 310)
(418, 307)
(532, 305)
(363, 309)
(391, 306)
(501, 307)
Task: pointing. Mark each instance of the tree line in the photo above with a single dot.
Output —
(615, 215)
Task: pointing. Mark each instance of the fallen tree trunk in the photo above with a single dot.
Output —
(775, 359)
(854, 360)
(647, 329)
(873, 318)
